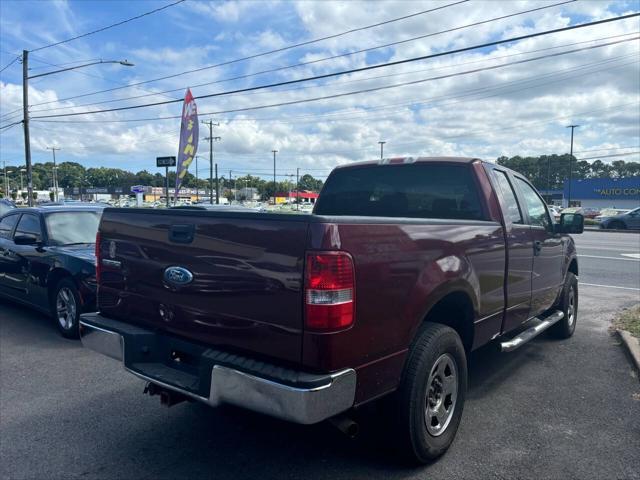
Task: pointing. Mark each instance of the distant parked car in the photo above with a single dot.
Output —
(47, 261)
(555, 212)
(5, 206)
(590, 212)
(625, 221)
(213, 208)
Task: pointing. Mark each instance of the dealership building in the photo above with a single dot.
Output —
(622, 193)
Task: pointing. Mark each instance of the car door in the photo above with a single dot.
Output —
(548, 249)
(8, 265)
(633, 219)
(25, 257)
(519, 253)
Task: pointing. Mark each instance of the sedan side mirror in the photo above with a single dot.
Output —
(26, 239)
(571, 223)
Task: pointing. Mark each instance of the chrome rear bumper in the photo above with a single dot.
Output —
(331, 394)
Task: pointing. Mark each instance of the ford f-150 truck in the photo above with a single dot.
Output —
(405, 266)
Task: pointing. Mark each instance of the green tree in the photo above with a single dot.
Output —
(307, 182)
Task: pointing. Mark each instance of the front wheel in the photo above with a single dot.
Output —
(568, 303)
(617, 225)
(431, 396)
(65, 308)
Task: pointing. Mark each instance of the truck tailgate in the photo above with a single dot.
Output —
(228, 280)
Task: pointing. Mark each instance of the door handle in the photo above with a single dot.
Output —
(537, 247)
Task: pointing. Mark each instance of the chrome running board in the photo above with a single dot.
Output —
(530, 333)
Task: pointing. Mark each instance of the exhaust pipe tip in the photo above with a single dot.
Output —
(346, 425)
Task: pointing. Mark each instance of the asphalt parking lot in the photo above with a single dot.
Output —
(552, 409)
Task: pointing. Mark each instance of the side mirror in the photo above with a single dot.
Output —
(25, 239)
(571, 223)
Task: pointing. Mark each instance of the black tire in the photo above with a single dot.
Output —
(65, 308)
(617, 225)
(421, 392)
(568, 303)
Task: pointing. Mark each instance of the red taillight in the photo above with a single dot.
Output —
(329, 291)
(98, 259)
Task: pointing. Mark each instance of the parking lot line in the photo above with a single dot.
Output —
(610, 286)
(610, 258)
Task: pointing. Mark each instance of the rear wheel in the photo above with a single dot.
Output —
(569, 305)
(65, 308)
(432, 392)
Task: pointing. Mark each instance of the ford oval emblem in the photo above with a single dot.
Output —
(178, 276)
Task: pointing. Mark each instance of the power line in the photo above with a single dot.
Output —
(608, 156)
(9, 64)
(108, 26)
(351, 71)
(295, 65)
(4, 128)
(607, 149)
(249, 57)
(560, 75)
(471, 133)
(326, 84)
(414, 102)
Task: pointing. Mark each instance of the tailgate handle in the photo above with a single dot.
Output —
(181, 233)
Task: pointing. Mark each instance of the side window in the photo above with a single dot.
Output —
(535, 206)
(29, 225)
(7, 224)
(511, 204)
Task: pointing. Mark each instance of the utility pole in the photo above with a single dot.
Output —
(230, 188)
(572, 127)
(6, 188)
(298, 188)
(197, 188)
(211, 139)
(25, 108)
(55, 173)
(22, 170)
(166, 184)
(274, 176)
(382, 149)
(25, 124)
(548, 179)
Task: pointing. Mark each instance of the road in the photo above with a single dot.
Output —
(551, 409)
(609, 259)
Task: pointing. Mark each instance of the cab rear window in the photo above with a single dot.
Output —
(413, 190)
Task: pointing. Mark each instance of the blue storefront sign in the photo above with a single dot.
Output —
(604, 189)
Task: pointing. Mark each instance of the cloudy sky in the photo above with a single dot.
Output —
(500, 100)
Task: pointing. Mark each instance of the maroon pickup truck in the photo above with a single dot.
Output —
(405, 266)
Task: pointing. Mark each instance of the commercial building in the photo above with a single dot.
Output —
(602, 193)
(291, 197)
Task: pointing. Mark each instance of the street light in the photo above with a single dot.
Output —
(25, 107)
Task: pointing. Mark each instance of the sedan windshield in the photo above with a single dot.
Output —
(65, 228)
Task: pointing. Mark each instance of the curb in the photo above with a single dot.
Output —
(633, 346)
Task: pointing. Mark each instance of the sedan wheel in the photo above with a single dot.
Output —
(66, 308)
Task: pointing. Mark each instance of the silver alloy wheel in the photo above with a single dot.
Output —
(442, 393)
(66, 308)
(571, 308)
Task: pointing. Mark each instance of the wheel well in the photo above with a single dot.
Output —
(455, 310)
(573, 267)
(54, 277)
